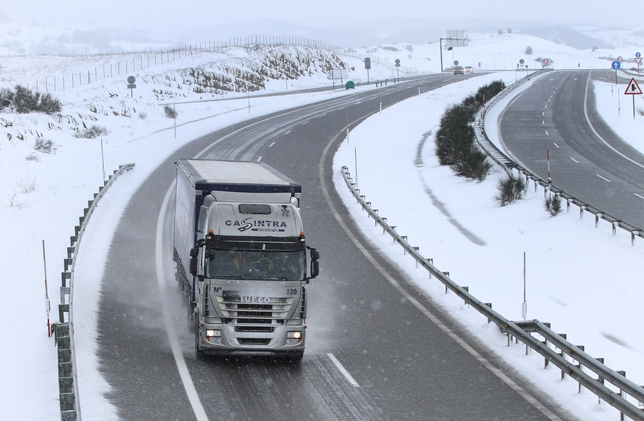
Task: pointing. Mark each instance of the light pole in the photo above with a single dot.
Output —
(440, 46)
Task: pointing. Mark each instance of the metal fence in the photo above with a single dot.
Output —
(624, 394)
(108, 66)
(64, 329)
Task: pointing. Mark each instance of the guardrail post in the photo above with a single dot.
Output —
(600, 379)
(582, 348)
(467, 289)
(581, 211)
(563, 353)
(489, 305)
(621, 393)
(615, 224)
(431, 262)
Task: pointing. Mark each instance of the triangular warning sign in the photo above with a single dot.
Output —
(633, 88)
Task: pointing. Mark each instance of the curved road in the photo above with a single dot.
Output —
(377, 348)
(587, 159)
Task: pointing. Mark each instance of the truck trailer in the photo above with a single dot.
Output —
(241, 258)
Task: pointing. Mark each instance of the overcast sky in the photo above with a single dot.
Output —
(190, 13)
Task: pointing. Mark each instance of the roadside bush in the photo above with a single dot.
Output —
(487, 92)
(44, 146)
(32, 157)
(6, 98)
(454, 136)
(26, 101)
(510, 190)
(92, 133)
(170, 112)
(473, 164)
(553, 204)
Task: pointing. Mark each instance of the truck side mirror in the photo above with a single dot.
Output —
(315, 264)
(194, 253)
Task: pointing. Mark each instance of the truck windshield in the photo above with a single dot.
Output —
(255, 264)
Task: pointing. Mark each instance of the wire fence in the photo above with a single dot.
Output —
(110, 66)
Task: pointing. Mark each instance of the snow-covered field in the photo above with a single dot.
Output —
(43, 194)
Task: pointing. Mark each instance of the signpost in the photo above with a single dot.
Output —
(616, 65)
(131, 84)
(453, 38)
(367, 66)
(337, 74)
(638, 60)
(633, 89)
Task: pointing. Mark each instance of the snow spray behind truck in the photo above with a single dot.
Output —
(241, 258)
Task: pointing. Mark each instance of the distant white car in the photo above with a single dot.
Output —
(469, 69)
(458, 70)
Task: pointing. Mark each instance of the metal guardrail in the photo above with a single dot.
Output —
(64, 329)
(571, 359)
(507, 163)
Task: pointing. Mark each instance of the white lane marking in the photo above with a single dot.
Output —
(574, 160)
(543, 122)
(641, 197)
(259, 159)
(556, 146)
(344, 372)
(475, 354)
(271, 145)
(547, 134)
(288, 132)
(184, 374)
(603, 178)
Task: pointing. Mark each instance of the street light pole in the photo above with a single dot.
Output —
(440, 47)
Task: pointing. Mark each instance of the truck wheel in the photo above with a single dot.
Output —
(198, 352)
(191, 319)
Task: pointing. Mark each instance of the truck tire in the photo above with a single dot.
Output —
(198, 352)
(191, 319)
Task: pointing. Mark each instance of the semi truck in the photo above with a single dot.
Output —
(241, 258)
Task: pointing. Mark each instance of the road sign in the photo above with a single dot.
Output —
(638, 55)
(131, 84)
(633, 88)
(620, 59)
(638, 60)
(367, 63)
(397, 63)
(616, 65)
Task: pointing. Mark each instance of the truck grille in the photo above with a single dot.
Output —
(248, 318)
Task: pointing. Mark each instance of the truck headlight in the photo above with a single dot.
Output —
(293, 337)
(213, 335)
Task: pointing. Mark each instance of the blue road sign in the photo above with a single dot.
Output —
(638, 55)
(616, 65)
